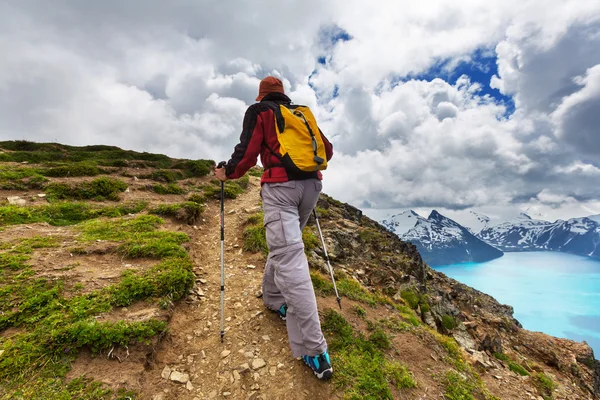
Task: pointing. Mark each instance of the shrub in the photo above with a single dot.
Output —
(197, 198)
(168, 189)
(189, 211)
(196, 168)
(98, 189)
(163, 176)
(545, 385)
(76, 169)
(448, 322)
(411, 298)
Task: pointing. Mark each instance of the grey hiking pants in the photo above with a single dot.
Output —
(287, 207)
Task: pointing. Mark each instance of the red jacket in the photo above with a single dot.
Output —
(260, 137)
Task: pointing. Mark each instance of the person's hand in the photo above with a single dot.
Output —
(220, 173)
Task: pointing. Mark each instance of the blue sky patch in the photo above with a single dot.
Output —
(479, 67)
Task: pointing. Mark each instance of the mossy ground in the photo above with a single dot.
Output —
(50, 320)
(54, 325)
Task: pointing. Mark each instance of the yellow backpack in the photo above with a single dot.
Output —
(301, 146)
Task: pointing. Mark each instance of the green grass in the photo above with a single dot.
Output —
(53, 152)
(411, 298)
(188, 212)
(347, 287)
(256, 219)
(323, 213)
(256, 171)
(458, 387)
(61, 214)
(99, 189)
(360, 311)
(168, 189)
(310, 239)
(545, 385)
(195, 168)
(165, 176)
(140, 236)
(172, 277)
(232, 188)
(449, 322)
(52, 327)
(197, 198)
(255, 239)
(21, 178)
(512, 365)
(362, 369)
(73, 169)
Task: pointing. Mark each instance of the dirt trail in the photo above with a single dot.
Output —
(254, 336)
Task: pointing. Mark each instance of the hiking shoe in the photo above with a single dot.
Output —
(320, 365)
(282, 312)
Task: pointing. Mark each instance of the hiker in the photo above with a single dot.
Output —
(289, 195)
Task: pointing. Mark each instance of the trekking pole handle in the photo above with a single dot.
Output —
(222, 164)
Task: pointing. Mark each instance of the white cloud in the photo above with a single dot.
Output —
(176, 78)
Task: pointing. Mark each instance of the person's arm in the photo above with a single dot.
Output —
(328, 146)
(247, 151)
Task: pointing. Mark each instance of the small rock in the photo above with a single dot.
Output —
(272, 371)
(200, 292)
(497, 377)
(42, 195)
(203, 354)
(250, 266)
(266, 338)
(236, 375)
(255, 387)
(189, 386)
(249, 354)
(202, 281)
(280, 365)
(225, 353)
(179, 377)
(226, 394)
(259, 294)
(243, 368)
(258, 363)
(166, 372)
(159, 396)
(16, 200)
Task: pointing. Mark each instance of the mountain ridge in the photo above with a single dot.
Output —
(97, 231)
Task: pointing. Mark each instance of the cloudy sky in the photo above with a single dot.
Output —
(454, 105)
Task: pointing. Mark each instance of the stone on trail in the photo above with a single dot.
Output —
(177, 376)
(225, 353)
(258, 363)
(166, 372)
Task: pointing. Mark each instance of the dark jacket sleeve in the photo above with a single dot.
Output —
(328, 146)
(247, 151)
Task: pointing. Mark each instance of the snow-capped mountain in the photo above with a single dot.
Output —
(577, 235)
(475, 222)
(595, 218)
(441, 240)
(403, 222)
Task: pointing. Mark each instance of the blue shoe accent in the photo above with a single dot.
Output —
(282, 312)
(321, 365)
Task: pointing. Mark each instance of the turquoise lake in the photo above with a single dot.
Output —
(554, 293)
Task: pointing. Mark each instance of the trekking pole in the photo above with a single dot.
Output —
(222, 164)
(339, 300)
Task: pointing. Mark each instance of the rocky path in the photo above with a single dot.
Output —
(254, 361)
